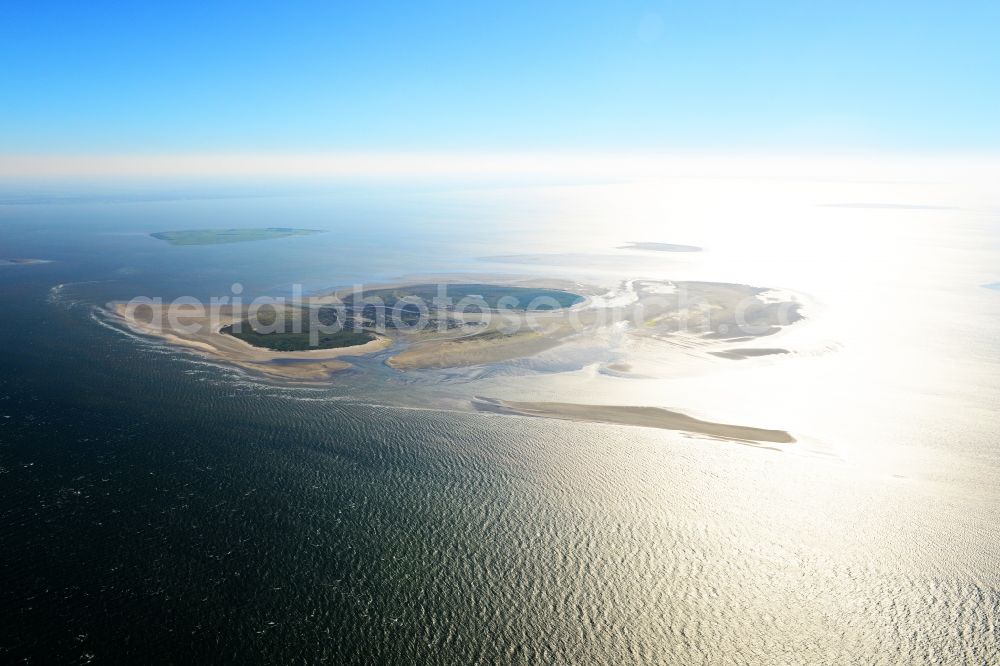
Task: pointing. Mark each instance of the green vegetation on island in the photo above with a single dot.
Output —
(220, 236)
(294, 331)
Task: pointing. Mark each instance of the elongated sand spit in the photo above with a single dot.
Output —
(648, 417)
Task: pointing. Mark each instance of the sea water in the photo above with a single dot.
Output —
(155, 506)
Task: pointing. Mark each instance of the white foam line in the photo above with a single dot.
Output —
(97, 314)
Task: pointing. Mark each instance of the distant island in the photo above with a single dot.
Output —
(220, 236)
(995, 285)
(23, 262)
(660, 247)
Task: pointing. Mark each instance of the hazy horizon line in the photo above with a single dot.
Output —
(429, 164)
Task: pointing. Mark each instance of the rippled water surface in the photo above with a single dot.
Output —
(154, 506)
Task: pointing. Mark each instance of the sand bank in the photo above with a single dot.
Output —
(741, 354)
(648, 417)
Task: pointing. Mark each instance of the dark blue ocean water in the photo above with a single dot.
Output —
(156, 508)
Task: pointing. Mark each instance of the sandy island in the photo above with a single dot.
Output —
(647, 417)
(700, 317)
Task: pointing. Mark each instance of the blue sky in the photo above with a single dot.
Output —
(327, 76)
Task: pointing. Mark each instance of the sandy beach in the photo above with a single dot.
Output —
(314, 364)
